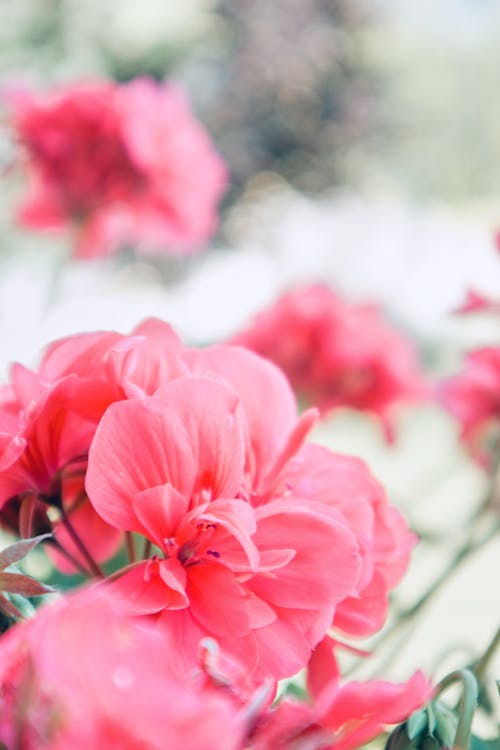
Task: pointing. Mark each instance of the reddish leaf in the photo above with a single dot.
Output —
(15, 583)
(17, 551)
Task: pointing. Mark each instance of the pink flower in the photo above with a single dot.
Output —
(384, 540)
(473, 398)
(43, 454)
(252, 537)
(80, 675)
(48, 419)
(120, 165)
(341, 717)
(335, 354)
(263, 581)
(474, 303)
(280, 467)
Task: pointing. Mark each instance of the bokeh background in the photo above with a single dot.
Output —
(364, 151)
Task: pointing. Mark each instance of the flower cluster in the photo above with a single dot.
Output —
(118, 164)
(53, 695)
(337, 354)
(248, 536)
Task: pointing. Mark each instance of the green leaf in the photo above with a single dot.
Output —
(431, 719)
(416, 724)
(297, 691)
(17, 551)
(446, 724)
(8, 608)
(477, 743)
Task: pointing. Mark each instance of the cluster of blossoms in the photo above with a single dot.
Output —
(237, 530)
(118, 165)
(337, 354)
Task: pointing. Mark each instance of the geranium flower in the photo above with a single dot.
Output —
(201, 453)
(343, 717)
(48, 419)
(83, 675)
(43, 453)
(473, 398)
(263, 581)
(120, 164)
(335, 354)
(280, 467)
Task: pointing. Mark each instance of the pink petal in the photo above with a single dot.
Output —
(160, 511)
(82, 354)
(138, 445)
(364, 614)
(209, 413)
(258, 383)
(217, 601)
(145, 591)
(322, 670)
(359, 711)
(326, 565)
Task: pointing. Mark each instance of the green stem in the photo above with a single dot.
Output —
(468, 704)
(482, 663)
(129, 541)
(93, 567)
(146, 552)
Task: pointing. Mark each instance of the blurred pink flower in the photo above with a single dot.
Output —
(336, 354)
(343, 717)
(475, 302)
(473, 398)
(82, 675)
(121, 164)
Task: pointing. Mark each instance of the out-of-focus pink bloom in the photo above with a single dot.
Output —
(119, 164)
(343, 717)
(82, 675)
(262, 581)
(473, 397)
(335, 354)
(475, 302)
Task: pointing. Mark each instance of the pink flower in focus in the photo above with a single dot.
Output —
(473, 398)
(263, 581)
(181, 451)
(282, 467)
(335, 354)
(82, 675)
(384, 540)
(119, 164)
